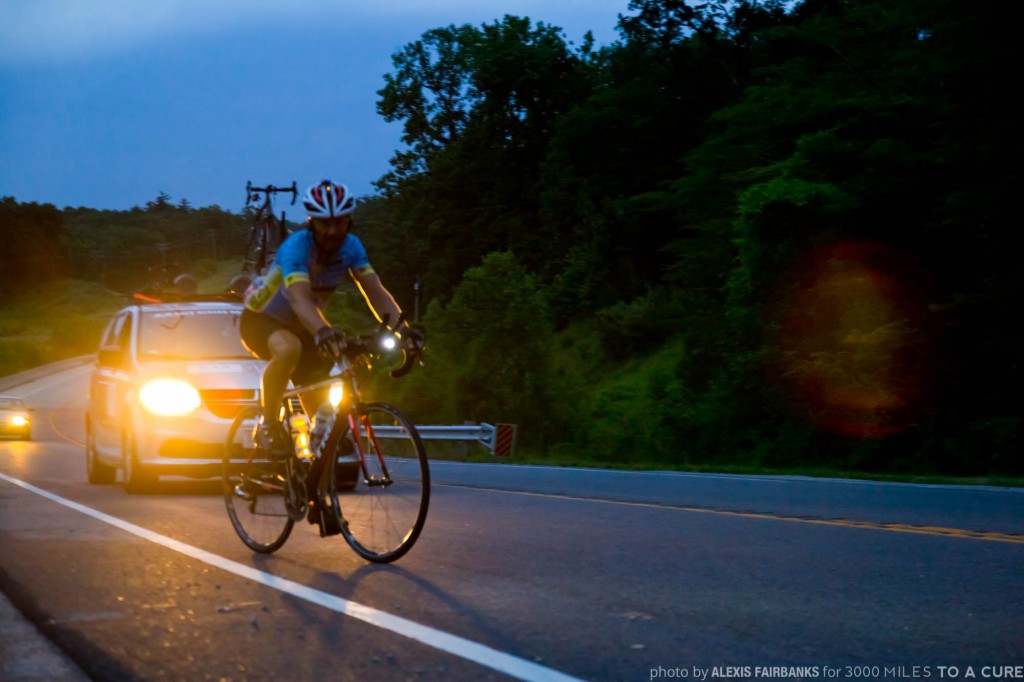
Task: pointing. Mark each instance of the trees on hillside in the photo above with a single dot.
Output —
(694, 171)
(123, 250)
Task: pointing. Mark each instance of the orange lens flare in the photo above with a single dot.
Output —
(853, 348)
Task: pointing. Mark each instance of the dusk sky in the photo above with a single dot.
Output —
(107, 103)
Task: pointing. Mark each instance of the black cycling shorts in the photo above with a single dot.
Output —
(256, 328)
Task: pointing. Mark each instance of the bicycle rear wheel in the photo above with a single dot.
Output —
(254, 488)
(385, 513)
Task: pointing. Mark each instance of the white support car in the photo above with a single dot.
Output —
(169, 379)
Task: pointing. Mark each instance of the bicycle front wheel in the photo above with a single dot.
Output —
(254, 488)
(385, 513)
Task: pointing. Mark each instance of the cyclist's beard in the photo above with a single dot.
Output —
(328, 245)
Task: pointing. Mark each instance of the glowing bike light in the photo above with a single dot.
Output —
(336, 394)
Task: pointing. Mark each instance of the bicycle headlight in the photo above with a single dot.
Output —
(169, 397)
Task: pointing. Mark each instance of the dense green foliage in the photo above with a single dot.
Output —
(748, 232)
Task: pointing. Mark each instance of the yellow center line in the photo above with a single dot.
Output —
(847, 523)
(60, 432)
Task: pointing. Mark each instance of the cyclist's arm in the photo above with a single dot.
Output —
(300, 297)
(379, 299)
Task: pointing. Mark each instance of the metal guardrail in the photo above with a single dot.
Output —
(499, 440)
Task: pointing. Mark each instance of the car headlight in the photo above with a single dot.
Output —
(169, 397)
(18, 420)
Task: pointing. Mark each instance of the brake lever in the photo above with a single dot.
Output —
(408, 358)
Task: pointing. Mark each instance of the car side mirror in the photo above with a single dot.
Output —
(110, 356)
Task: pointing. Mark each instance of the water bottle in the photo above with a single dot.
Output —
(299, 427)
(321, 426)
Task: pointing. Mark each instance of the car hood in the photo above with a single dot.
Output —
(204, 374)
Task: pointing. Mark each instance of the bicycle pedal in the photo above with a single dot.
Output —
(324, 518)
(241, 492)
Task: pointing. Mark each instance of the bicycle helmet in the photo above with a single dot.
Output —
(328, 200)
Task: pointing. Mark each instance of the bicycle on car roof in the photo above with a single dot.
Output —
(267, 231)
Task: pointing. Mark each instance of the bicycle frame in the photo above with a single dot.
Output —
(264, 218)
(344, 373)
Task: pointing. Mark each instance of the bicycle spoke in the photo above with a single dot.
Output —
(386, 511)
(254, 490)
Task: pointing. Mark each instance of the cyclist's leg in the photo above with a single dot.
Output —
(270, 340)
(285, 351)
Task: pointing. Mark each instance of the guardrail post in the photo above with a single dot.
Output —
(504, 440)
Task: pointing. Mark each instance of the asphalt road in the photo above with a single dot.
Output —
(530, 573)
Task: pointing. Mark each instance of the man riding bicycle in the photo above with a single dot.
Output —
(283, 320)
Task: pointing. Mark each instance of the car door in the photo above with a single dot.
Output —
(110, 381)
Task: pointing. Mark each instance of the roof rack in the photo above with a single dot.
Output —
(175, 297)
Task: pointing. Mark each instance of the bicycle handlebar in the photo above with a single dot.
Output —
(253, 193)
(379, 342)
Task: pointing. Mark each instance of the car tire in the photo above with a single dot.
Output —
(346, 476)
(137, 478)
(98, 473)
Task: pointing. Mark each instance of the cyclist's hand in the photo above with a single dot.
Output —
(329, 342)
(412, 338)
(412, 349)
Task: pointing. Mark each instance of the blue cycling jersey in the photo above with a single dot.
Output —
(296, 261)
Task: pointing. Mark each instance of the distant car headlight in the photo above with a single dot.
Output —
(169, 397)
(18, 420)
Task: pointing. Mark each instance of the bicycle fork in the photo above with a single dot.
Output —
(356, 426)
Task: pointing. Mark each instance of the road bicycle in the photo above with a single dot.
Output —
(266, 231)
(361, 471)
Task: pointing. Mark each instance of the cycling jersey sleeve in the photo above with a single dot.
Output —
(293, 258)
(359, 262)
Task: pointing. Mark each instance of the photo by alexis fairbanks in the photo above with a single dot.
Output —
(858, 672)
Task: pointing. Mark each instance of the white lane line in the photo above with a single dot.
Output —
(437, 639)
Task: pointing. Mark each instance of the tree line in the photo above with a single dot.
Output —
(765, 233)
(122, 250)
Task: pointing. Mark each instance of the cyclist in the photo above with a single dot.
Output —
(283, 320)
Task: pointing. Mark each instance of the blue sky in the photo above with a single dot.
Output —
(107, 103)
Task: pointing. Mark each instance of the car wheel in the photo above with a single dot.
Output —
(346, 476)
(137, 478)
(98, 473)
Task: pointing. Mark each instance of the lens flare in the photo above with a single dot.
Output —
(853, 347)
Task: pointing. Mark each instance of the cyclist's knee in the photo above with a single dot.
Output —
(285, 346)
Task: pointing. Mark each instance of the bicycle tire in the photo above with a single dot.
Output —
(381, 522)
(261, 519)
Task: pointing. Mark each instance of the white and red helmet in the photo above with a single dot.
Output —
(328, 200)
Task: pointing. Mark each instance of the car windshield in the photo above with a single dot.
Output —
(11, 403)
(190, 335)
